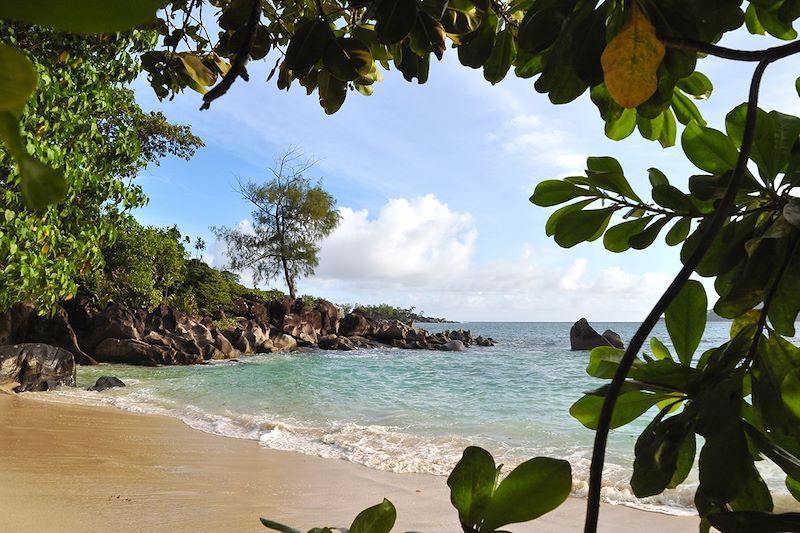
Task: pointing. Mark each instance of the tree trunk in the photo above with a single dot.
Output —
(289, 279)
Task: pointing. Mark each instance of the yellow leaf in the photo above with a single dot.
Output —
(45, 249)
(197, 71)
(630, 61)
(69, 296)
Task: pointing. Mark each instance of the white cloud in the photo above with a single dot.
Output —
(412, 240)
(538, 140)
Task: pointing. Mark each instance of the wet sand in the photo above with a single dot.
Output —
(77, 468)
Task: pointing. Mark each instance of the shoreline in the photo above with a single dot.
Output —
(74, 467)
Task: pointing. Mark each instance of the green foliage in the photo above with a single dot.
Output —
(291, 215)
(143, 267)
(532, 489)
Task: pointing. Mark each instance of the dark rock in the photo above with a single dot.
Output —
(453, 346)
(114, 322)
(56, 331)
(480, 341)
(106, 382)
(135, 352)
(240, 307)
(284, 343)
(277, 309)
(354, 324)
(582, 336)
(219, 314)
(14, 324)
(334, 342)
(36, 367)
(329, 315)
(259, 313)
(304, 327)
(614, 339)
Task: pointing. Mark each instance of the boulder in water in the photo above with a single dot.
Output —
(582, 336)
(106, 382)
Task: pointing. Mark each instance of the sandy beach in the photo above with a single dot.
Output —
(77, 468)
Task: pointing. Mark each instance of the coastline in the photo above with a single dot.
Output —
(76, 467)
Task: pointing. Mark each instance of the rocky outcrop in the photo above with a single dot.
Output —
(166, 336)
(106, 382)
(36, 367)
(583, 336)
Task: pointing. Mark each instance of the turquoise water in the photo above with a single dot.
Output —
(405, 410)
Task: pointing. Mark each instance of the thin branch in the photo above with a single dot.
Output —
(768, 54)
(239, 60)
(722, 213)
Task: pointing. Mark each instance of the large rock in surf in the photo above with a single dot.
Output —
(582, 336)
(36, 367)
(355, 324)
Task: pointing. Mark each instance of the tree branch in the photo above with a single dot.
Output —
(239, 60)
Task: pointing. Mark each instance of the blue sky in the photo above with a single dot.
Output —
(433, 182)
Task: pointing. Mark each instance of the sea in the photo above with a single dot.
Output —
(410, 410)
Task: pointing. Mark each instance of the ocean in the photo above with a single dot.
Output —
(409, 410)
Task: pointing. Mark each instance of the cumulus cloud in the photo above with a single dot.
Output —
(418, 240)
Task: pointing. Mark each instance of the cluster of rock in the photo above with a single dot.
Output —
(165, 336)
(583, 336)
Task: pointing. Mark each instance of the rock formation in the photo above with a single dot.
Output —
(582, 336)
(166, 336)
(36, 367)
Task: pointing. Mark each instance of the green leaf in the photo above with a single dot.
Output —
(376, 519)
(647, 236)
(696, 84)
(332, 92)
(621, 127)
(657, 451)
(616, 238)
(604, 361)
(18, 78)
(395, 20)
(40, 184)
(686, 319)
(428, 36)
(82, 16)
(579, 226)
(657, 177)
(672, 198)
(472, 483)
(554, 192)
(659, 350)
(539, 29)
(552, 221)
(606, 173)
(499, 62)
(307, 45)
(347, 58)
(793, 486)
(777, 454)
(629, 406)
(790, 392)
(532, 489)
(669, 131)
(278, 526)
(791, 212)
(478, 45)
(678, 233)
(709, 149)
(685, 110)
